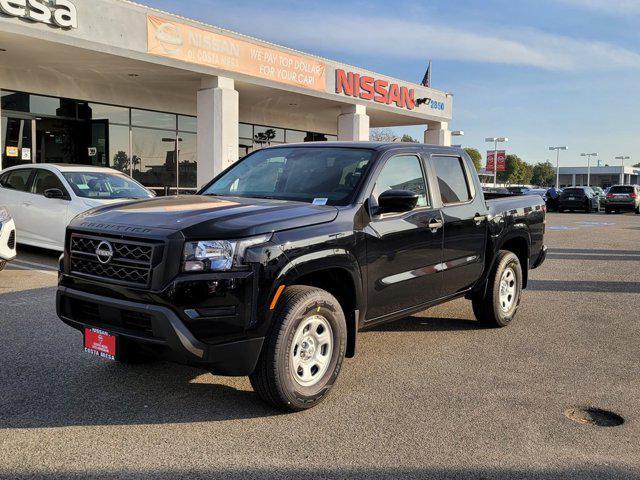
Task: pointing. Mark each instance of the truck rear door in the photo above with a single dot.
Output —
(464, 214)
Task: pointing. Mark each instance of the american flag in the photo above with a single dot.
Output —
(426, 81)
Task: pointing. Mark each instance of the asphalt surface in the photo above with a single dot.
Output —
(430, 396)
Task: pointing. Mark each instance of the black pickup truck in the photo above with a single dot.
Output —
(277, 264)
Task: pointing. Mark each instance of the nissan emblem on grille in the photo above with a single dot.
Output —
(104, 252)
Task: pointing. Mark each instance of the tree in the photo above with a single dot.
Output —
(518, 172)
(382, 135)
(406, 138)
(476, 156)
(544, 175)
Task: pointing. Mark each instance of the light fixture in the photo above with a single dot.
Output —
(133, 75)
(557, 150)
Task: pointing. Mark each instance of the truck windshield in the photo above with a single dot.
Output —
(319, 175)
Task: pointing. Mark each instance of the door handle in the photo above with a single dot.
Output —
(435, 224)
(479, 219)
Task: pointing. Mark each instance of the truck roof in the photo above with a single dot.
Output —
(380, 146)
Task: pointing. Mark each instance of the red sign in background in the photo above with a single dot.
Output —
(502, 161)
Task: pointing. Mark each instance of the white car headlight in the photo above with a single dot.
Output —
(218, 255)
(4, 215)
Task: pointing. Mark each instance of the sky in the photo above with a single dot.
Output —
(540, 72)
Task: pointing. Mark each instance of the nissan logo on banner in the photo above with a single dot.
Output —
(57, 13)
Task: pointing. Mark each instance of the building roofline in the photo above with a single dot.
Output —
(272, 44)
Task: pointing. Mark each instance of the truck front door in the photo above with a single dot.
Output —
(404, 250)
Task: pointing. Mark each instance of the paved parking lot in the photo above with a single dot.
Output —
(431, 396)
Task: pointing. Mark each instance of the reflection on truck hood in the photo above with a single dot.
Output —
(212, 217)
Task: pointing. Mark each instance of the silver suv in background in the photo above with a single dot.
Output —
(623, 197)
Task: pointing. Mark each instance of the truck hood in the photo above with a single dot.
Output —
(202, 217)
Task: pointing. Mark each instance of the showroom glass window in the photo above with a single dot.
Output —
(156, 148)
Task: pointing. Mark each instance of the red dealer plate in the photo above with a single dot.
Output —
(100, 343)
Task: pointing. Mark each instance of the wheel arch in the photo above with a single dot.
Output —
(336, 272)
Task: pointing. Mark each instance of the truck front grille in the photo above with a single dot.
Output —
(130, 263)
(102, 316)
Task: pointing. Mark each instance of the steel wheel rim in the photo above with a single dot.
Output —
(508, 289)
(311, 350)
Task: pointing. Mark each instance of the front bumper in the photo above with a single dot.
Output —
(7, 240)
(157, 326)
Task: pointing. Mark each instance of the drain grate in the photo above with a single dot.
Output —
(593, 416)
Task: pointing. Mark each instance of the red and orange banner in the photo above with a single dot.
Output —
(202, 47)
(502, 161)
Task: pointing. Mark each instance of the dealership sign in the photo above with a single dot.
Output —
(378, 90)
(58, 13)
(195, 45)
(502, 161)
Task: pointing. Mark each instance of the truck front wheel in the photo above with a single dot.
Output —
(303, 354)
(500, 303)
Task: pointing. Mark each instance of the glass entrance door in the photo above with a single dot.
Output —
(17, 142)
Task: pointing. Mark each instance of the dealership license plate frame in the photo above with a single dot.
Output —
(100, 343)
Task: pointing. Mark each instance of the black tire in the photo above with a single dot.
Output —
(274, 379)
(560, 210)
(607, 210)
(3, 264)
(488, 309)
(587, 208)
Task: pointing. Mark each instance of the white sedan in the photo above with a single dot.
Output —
(7, 238)
(44, 198)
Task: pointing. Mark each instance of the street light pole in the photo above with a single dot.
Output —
(495, 141)
(588, 155)
(557, 149)
(457, 133)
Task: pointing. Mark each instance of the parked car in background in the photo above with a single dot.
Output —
(552, 198)
(44, 198)
(578, 198)
(7, 238)
(541, 192)
(518, 190)
(622, 197)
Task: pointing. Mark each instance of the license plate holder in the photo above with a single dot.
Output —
(101, 344)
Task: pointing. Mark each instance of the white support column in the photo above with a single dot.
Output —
(573, 180)
(622, 178)
(218, 119)
(438, 133)
(353, 124)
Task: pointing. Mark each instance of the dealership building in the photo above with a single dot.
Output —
(604, 177)
(172, 101)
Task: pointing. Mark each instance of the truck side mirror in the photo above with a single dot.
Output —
(397, 201)
(54, 193)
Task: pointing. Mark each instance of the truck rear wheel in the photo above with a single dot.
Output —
(3, 264)
(303, 354)
(499, 305)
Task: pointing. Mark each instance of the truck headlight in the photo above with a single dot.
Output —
(218, 255)
(4, 215)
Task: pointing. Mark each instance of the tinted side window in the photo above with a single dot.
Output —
(46, 180)
(17, 179)
(452, 179)
(403, 172)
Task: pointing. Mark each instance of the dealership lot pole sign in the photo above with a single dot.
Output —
(202, 47)
(57, 13)
(502, 161)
